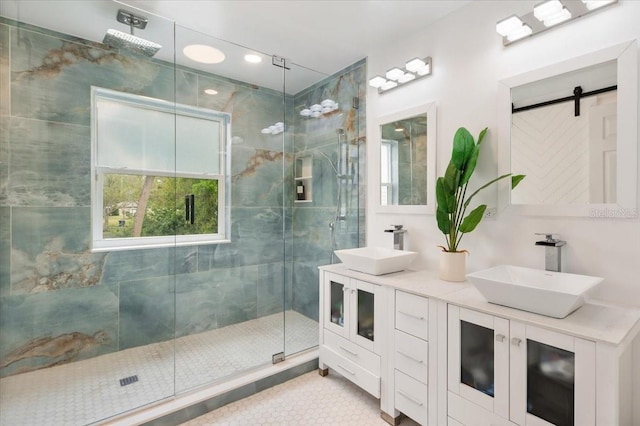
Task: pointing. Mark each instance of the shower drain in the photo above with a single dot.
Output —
(128, 380)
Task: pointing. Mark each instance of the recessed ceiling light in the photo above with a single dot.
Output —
(254, 59)
(211, 91)
(203, 54)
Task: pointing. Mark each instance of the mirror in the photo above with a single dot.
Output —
(407, 160)
(571, 128)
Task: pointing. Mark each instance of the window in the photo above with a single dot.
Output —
(159, 172)
(388, 172)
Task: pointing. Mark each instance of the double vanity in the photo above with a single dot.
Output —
(440, 354)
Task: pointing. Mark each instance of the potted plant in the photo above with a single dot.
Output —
(452, 202)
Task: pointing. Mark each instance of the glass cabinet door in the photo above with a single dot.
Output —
(553, 377)
(365, 314)
(550, 383)
(476, 357)
(337, 291)
(364, 306)
(336, 308)
(478, 370)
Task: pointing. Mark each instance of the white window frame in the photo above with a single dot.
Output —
(390, 162)
(99, 243)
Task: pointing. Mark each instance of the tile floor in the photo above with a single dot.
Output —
(306, 400)
(87, 391)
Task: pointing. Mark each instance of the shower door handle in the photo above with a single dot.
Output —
(190, 208)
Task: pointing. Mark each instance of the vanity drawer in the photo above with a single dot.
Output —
(411, 397)
(411, 314)
(349, 350)
(411, 356)
(352, 371)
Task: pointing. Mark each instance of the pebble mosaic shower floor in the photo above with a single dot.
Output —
(88, 391)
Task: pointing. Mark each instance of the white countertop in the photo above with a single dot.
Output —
(594, 320)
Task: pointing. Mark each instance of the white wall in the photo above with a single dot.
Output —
(468, 61)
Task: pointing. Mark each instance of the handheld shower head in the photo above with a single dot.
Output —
(121, 40)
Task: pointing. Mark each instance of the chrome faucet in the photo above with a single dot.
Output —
(398, 236)
(552, 252)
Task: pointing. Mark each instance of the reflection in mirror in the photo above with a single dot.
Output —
(407, 161)
(563, 137)
(403, 162)
(580, 156)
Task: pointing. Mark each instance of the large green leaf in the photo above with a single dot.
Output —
(471, 165)
(452, 178)
(466, 203)
(473, 219)
(481, 135)
(444, 223)
(516, 179)
(463, 145)
(446, 200)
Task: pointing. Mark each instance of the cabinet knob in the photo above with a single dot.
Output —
(500, 337)
(515, 341)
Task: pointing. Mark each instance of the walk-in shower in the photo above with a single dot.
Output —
(90, 331)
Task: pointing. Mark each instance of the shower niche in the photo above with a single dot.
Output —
(303, 178)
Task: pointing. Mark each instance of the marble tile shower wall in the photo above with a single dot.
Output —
(58, 301)
(315, 137)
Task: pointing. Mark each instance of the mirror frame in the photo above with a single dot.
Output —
(626, 56)
(430, 110)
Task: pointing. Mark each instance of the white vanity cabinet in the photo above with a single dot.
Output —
(351, 336)
(504, 372)
(410, 356)
(439, 353)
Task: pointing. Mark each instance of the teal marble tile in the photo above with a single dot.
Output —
(257, 234)
(52, 77)
(5, 71)
(215, 298)
(312, 236)
(251, 108)
(257, 177)
(128, 265)
(186, 260)
(274, 288)
(4, 159)
(305, 289)
(239, 293)
(67, 325)
(197, 299)
(50, 164)
(147, 309)
(50, 250)
(5, 251)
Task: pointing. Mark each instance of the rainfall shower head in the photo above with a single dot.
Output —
(121, 40)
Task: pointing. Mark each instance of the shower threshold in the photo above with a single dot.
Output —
(89, 391)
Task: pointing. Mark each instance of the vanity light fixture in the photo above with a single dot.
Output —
(274, 129)
(413, 70)
(318, 110)
(545, 15)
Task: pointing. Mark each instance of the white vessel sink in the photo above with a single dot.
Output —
(555, 294)
(376, 260)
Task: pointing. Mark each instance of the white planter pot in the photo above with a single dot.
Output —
(453, 266)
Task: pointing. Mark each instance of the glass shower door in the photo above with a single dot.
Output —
(85, 334)
(230, 293)
(327, 151)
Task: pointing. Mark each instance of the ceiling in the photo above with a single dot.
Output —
(320, 36)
